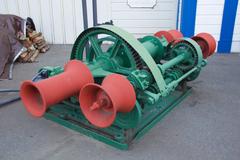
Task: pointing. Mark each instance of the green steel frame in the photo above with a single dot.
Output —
(69, 116)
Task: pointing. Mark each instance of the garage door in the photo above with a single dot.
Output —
(236, 33)
(209, 17)
(61, 20)
(140, 17)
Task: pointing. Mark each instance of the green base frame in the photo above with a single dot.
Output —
(70, 116)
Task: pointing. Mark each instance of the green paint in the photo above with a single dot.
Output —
(154, 46)
(70, 116)
(158, 70)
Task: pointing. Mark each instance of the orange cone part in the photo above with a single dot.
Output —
(176, 34)
(100, 103)
(170, 35)
(38, 96)
(206, 42)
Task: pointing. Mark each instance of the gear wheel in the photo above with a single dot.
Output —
(83, 40)
(181, 46)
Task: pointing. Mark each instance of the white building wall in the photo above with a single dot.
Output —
(61, 21)
(236, 33)
(139, 21)
(209, 17)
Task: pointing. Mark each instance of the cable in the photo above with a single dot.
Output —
(4, 102)
(37, 77)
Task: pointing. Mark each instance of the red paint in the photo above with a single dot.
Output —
(38, 96)
(176, 34)
(206, 42)
(170, 35)
(100, 103)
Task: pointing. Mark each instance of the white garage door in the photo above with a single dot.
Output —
(61, 20)
(236, 33)
(139, 19)
(209, 17)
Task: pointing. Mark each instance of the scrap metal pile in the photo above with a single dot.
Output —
(115, 88)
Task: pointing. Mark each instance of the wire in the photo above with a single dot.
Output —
(4, 102)
(37, 77)
(9, 90)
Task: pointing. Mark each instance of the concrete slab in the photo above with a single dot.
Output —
(205, 126)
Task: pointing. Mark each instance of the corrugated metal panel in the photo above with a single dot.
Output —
(143, 21)
(236, 33)
(60, 20)
(209, 17)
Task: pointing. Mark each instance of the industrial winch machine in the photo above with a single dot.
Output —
(115, 87)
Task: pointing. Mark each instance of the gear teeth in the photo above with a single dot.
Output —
(136, 57)
(195, 56)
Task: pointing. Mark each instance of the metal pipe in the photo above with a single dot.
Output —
(85, 17)
(175, 82)
(172, 62)
(95, 19)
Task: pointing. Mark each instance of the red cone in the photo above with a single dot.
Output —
(100, 103)
(206, 42)
(38, 96)
(170, 35)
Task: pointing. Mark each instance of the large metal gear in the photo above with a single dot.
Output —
(186, 45)
(123, 57)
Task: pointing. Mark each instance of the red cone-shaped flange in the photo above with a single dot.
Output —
(176, 34)
(170, 35)
(100, 104)
(166, 34)
(206, 42)
(38, 96)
